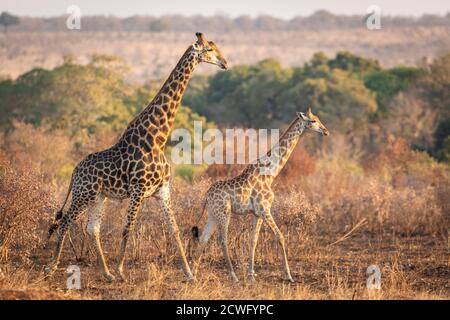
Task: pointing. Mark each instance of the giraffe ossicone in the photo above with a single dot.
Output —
(135, 167)
(251, 192)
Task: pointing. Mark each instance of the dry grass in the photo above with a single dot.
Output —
(400, 195)
(405, 235)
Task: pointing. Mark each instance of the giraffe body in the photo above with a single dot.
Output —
(135, 167)
(251, 193)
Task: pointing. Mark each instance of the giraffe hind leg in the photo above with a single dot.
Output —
(208, 231)
(256, 228)
(77, 207)
(223, 222)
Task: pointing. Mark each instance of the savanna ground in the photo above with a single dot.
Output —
(395, 205)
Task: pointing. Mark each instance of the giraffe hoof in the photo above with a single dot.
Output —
(109, 278)
(289, 279)
(122, 277)
(49, 270)
(235, 279)
(252, 277)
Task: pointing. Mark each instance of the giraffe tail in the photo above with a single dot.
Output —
(195, 230)
(59, 214)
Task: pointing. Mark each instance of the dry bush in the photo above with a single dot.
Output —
(44, 152)
(397, 163)
(411, 119)
(301, 163)
(393, 155)
(406, 210)
(51, 153)
(24, 205)
(223, 171)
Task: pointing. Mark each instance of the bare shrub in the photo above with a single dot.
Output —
(403, 210)
(47, 153)
(412, 119)
(392, 156)
(300, 164)
(25, 204)
(296, 216)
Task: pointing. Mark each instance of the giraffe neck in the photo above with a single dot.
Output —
(158, 117)
(281, 152)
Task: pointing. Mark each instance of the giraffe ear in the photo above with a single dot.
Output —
(310, 114)
(201, 38)
(302, 116)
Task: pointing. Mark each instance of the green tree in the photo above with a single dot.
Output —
(72, 97)
(354, 64)
(267, 94)
(159, 25)
(386, 83)
(245, 95)
(7, 20)
(335, 94)
(434, 87)
(185, 117)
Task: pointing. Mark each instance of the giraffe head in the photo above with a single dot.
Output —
(208, 52)
(312, 122)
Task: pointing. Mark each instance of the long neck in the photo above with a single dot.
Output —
(273, 162)
(158, 117)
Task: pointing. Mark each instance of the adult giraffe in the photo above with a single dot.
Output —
(251, 192)
(135, 167)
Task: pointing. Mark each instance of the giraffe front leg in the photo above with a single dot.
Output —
(133, 209)
(273, 226)
(163, 196)
(256, 228)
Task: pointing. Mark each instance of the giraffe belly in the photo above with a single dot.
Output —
(242, 208)
(116, 193)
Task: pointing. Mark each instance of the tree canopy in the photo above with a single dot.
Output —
(77, 98)
(7, 19)
(266, 93)
(348, 92)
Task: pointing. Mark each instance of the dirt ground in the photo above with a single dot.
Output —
(412, 267)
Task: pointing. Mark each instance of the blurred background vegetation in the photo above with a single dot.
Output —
(53, 116)
(90, 105)
(320, 20)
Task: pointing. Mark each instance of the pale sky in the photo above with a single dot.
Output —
(278, 8)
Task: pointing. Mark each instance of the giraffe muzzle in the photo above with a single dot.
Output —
(224, 65)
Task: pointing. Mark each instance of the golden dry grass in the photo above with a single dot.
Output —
(405, 235)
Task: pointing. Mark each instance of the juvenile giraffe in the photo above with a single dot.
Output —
(251, 192)
(135, 167)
